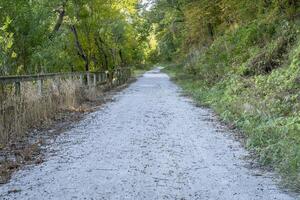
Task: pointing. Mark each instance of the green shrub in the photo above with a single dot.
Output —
(265, 106)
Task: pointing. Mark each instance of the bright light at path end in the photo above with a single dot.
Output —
(148, 4)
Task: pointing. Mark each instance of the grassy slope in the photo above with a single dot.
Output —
(255, 86)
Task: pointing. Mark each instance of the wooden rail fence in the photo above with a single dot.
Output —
(26, 101)
(118, 76)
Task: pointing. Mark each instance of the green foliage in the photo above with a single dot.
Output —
(266, 109)
(70, 35)
(243, 59)
(6, 43)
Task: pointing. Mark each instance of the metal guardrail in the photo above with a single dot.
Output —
(119, 76)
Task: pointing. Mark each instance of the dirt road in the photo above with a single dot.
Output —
(150, 143)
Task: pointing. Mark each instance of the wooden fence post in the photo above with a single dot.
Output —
(119, 76)
(100, 77)
(124, 76)
(104, 77)
(81, 79)
(129, 73)
(107, 77)
(57, 80)
(95, 80)
(40, 87)
(17, 88)
(88, 79)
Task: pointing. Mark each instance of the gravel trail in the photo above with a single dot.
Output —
(149, 143)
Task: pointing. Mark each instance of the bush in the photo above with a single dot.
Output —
(256, 87)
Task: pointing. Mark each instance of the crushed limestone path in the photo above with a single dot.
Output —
(151, 143)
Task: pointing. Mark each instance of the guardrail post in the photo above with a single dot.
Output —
(40, 87)
(17, 88)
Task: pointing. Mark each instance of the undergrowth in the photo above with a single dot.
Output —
(20, 113)
(251, 77)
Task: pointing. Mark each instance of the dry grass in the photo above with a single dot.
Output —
(62, 102)
(18, 113)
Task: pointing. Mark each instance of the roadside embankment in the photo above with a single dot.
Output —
(263, 104)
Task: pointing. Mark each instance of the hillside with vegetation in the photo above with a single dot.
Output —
(242, 58)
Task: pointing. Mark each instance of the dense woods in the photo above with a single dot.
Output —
(41, 36)
(242, 58)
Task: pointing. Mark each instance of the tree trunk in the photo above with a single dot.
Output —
(113, 54)
(121, 57)
(210, 31)
(62, 12)
(79, 48)
(102, 51)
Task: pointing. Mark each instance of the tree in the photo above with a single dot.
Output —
(71, 35)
